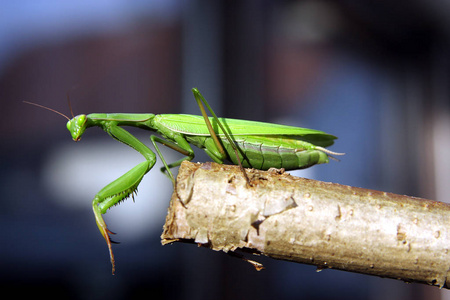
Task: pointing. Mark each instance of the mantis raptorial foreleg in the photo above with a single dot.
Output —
(124, 186)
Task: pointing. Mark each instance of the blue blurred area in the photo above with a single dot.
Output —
(28, 24)
(373, 74)
(353, 87)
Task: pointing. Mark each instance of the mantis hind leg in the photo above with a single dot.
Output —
(200, 101)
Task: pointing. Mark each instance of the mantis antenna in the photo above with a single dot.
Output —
(70, 106)
(50, 109)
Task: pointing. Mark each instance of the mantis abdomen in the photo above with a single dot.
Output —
(263, 153)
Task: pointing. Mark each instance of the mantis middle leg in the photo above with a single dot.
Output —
(180, 145)
(185, 148)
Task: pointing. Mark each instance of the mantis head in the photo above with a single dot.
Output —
(77, 126)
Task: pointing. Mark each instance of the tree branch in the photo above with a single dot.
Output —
(308, 221)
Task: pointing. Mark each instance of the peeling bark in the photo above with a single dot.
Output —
(307, 221)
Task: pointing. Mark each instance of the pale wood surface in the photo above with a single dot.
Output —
(313, 222)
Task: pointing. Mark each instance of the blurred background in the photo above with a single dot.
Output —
(373, 73)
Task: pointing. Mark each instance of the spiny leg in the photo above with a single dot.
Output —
(103, 230)
(180, 145)
(200, 101)
(124, 186)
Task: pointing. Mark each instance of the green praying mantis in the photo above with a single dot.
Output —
(249, 144)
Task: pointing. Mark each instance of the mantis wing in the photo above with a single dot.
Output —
(195, 125)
